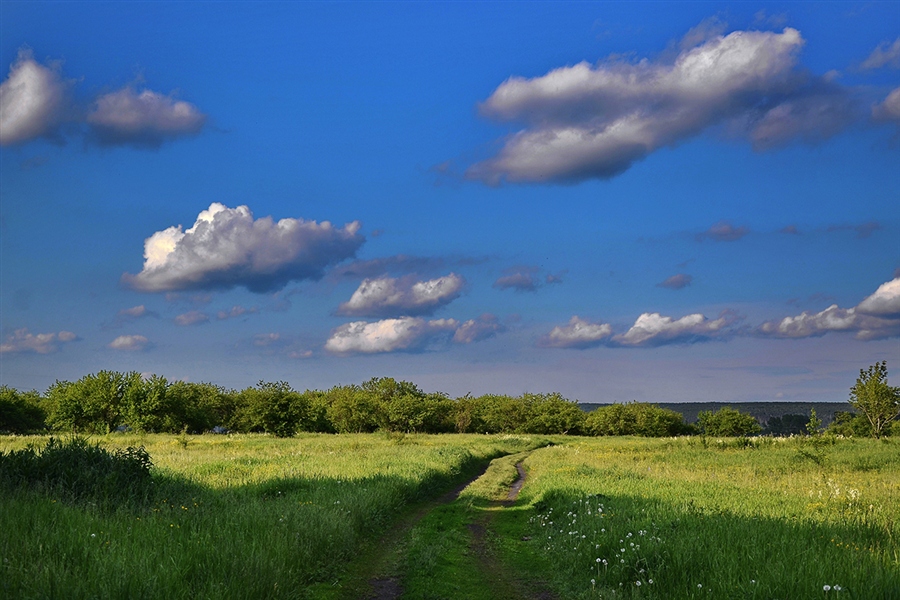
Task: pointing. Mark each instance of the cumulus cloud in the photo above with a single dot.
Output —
(235, 312)
(676, 282)
(723, 231)
(653, 329)
(595, 121)
(226, 248)
(863, 230)
(33, 101)
(886, 54)
(144, 118)
(21, 340)
(885, 302)
(579, 333)
(876, 317)
(387, 296)
(193, 317)
(407, 334)
(130, 343)
(474, 330)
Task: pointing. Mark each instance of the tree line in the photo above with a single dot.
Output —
(109, 401)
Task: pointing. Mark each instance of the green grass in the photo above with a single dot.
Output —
(232, 517)
(710, 520)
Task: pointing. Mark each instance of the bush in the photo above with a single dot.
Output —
(636, 418)
(78, 471)
(727, 422)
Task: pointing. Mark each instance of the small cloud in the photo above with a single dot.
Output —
(143, 119)
(888, 111)
(579, 333)
(676, 282)
(130, 343)
(525, 278)
(406, 334)
(653, 329)
(129, 315)
(300, 354)
(388, 297)
(235, 312)
(194, 317)
(723, 231)
(33, 163)
(886, 54)
(266, 339)
(789, 229)
(21, 341)
(227, 248)
(33, 101)
(475, 330)
(551, 278)
(863, 230)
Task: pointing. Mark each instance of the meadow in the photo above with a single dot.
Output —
(318, 516)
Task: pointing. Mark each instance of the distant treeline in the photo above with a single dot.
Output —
(109, 401)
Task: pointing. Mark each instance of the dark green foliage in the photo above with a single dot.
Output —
(20, 412)
(874, 398)
(75, 470)
(636, 418)
(850, 424)
(727, 422)
(272, 408)
(786, 425)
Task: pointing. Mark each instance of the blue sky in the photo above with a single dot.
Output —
(617, 201)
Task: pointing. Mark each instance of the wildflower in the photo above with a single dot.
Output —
(650, 581)
(93, 535)
(837, 588)
(827, 588)
(637, 583)
(699, 586)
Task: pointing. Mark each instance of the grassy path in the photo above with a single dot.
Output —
(445, 549)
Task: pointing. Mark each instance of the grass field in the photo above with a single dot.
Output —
(259, 517)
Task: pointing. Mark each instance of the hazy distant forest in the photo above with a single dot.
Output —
(111, 401)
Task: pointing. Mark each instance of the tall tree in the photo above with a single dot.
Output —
(873, 397)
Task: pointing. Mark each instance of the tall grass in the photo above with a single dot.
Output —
(231, 516)
(680, 518)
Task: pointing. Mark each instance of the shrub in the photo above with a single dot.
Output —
(78, 471)
(636, 418)
(727, 422)
(20, 413)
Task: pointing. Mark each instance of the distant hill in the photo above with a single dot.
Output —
(763, 411)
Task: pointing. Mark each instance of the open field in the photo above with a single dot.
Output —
(325, 516)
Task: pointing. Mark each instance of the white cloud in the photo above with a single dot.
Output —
(142, 119)
(130, 343)
(135, 312)
(885, 302)
(226, 248)
(266, 339)
(389, 335)
(886, 54)
(876, 317)
(41, 343)
(587, 121)
(653, 329)
(32, 101)
(193, 317)
(579, 333)
(405, 296)
(474, 330)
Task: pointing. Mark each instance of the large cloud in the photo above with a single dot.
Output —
(587, 121)
(876, 317)
(387, 296)
(142, 119)
(653, 329)
(226, 248)
(33, 101)
(579, 333)
(21, 340)
(408, 334)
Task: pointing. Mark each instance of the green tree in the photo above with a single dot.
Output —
(727, 422)
(636, 418)
(21, 412)
(873, 397)
(92, 404)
